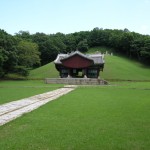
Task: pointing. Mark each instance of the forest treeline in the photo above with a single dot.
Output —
(24, 51)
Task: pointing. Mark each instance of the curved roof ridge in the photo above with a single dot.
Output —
(79, 53)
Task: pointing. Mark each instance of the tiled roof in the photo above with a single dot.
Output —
(60, 57)
(97, 58)
(77, 53)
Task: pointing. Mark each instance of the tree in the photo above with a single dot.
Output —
(83, 46)
(126, 30)
(70, 42)
(8, 53)
(28, 54)
(115, 39)
(24, 50)
(3, 58)
(24, 35)
(136, 47)
(145, 51)
(126, 41)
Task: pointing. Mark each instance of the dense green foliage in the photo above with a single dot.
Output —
(18, 50)
(8, 53)
(17, 55)
(89, 118)
(28, 54)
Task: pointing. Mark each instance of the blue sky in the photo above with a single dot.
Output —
(68, 16)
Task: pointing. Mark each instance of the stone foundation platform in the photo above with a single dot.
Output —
(76, 81)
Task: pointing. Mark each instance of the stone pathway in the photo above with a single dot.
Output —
(15, 109)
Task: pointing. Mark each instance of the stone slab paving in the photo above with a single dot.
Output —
(15, 109)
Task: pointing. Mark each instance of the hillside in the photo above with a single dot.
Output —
(116, 68)
(120, 68)
(46, 71)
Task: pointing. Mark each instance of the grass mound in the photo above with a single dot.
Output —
(116, 68)
(119, 68)
(46, 71)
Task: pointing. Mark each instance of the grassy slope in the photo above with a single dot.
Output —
(86, 119)
(115, 68)
(46, 71)
(124, 69)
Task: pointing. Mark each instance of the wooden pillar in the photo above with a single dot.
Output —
(98, 73)
(59, 69)
(69, 73)
(85, 73)
(60, 76)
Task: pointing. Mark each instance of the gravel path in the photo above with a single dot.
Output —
(15, 109)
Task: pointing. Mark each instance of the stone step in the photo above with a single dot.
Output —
(76, 81)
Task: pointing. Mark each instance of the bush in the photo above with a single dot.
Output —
(22, 70)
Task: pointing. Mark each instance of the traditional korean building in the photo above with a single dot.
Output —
(79, 65)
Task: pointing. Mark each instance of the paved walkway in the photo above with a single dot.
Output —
(15, 109)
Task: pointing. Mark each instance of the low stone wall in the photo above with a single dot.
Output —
(76, 81)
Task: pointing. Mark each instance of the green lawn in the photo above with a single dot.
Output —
(90, 118)
(113, 117)
(15, 90)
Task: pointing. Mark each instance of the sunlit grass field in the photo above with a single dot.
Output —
(112, 117)
(15, 90)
